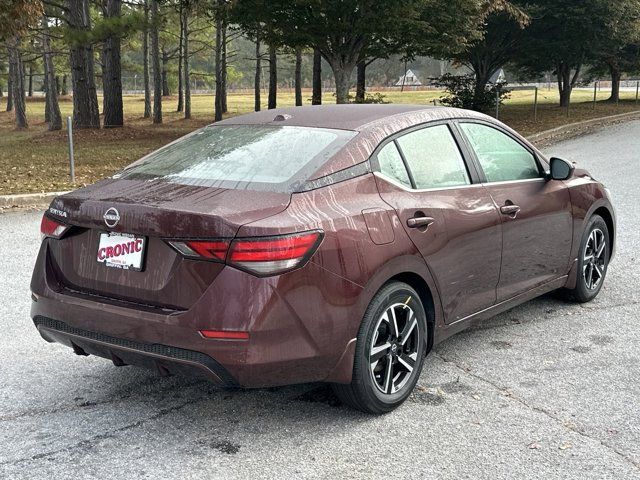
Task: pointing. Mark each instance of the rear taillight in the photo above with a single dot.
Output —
(52, 228)
(261, 256)
(270, 255)
(211, 250)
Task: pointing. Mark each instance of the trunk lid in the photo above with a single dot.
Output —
(156, 210)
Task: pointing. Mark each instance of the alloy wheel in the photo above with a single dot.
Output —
(594, 258)
(393, 352)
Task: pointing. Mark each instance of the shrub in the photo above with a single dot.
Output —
(460, 93)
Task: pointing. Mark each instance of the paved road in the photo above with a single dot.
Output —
(547, 390)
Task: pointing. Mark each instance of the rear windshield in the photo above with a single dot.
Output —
(255, 157)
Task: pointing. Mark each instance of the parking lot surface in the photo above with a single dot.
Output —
(546, 390)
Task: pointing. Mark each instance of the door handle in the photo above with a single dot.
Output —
(511, 210)
(417, 222)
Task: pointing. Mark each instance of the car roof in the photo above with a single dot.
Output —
(373, 122)
(346, 117)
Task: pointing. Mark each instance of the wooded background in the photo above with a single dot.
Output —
(165, 47)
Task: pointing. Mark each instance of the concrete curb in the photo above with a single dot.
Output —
(27, 200)
(579, 127)
(43, 199)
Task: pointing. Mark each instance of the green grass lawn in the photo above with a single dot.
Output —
(36, 160)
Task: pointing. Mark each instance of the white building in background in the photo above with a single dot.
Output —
(498, 77)
(409, 79)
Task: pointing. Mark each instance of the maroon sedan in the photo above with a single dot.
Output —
(333, 243)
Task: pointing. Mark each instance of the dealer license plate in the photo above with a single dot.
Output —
(121, 250)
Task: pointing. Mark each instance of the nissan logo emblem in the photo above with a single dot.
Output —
(111, 217)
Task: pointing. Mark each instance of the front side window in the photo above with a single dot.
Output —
(391, 164)
(256, 157)
(500, 156)
(434, 158)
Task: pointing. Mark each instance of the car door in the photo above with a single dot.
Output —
(446, 212)
(535, 212)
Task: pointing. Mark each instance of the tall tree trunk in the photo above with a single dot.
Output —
(298, 77)
(256, 81)
(165, 77)
(218, 63)
(482, 76)
(316, 95)
(566, 82)
(145, 61)
(111, 70)
(180, 54)
(30, 91)
(17, 82)
(57, 84)
(224, 67)
(10, 87)
(155, 56)
(52, 109)
(342, 74)
(273, 77)
(85, 97)
(616, 75)
(65, 86)
(186, 72)
(361, 73)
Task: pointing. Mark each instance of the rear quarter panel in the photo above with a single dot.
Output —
(350, 266)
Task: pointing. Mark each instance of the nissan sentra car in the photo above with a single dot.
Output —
(334, 244)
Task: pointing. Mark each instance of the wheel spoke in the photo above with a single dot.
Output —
(587, 258)
(408, 328)
(589, 278)
(599, 271)
(394, 323)
(407, 362)
(600, 250)
(378, 352)
(388, 383)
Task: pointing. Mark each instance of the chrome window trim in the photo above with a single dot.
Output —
(524, 180)
(421, 190)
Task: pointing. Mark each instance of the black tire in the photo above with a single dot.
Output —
(587, 288)
(369, 391)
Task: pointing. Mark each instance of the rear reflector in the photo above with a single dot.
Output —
(224, 335)
(258, 255)
(52, 228)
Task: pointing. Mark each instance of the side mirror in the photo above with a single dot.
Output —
(560, 169)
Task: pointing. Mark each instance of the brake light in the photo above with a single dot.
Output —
(271, 255)
(52, 228)
(258, 255)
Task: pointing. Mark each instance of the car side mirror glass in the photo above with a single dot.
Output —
(560, 169)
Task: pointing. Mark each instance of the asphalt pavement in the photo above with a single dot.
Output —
(547, 390)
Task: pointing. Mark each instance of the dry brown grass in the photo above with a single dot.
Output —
(36, 160)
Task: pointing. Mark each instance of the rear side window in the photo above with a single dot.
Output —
(253, 157)
(500, 156)
(434, 158)
(391, 164)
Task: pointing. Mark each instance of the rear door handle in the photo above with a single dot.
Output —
(417, 222)
(510, 210)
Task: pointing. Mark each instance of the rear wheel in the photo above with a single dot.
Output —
(593, 260)
(390, 351)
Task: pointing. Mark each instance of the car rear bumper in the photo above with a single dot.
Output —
(297, 331)
(165, 359)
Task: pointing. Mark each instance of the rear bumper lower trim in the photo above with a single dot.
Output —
(53, 330)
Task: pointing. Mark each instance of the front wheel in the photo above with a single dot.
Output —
(390, 351)
(593, 260)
